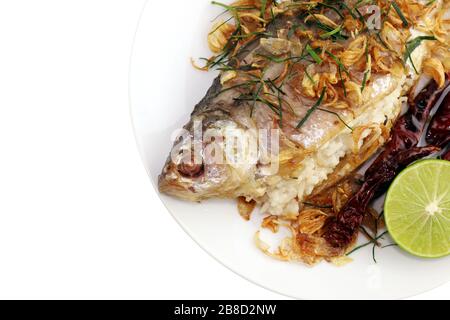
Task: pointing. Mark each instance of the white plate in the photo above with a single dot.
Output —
(164, 89)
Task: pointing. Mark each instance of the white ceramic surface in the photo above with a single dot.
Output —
(163, 90)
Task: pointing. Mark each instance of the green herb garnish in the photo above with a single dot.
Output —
(263, 8)
(331, 33)
(312, 109)
(244, 84)
(366, 244)
(341, 68)
(400, 14)
(413, 45)
(389, 245)
(232, 8)
(364, 83)
(366, 74)
(309, 77)
(338, 61)
(313, 54)
(273, 85)
(345, 6)
(338, 116)
(280, 60)
(280, 111)
(255, 97)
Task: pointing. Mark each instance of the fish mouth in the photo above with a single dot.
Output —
(178, 180)
(177, 189)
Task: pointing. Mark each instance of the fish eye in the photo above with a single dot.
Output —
(191, 170)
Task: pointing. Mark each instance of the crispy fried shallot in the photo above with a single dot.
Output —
(246, 208)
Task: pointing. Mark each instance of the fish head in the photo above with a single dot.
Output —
(196, 169)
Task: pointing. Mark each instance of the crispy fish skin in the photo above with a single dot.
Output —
(222, 111)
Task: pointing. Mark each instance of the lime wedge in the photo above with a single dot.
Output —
(417, 209)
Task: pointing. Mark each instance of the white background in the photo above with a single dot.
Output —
(78, 215)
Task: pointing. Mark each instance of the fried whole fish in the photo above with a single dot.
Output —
(316, 89)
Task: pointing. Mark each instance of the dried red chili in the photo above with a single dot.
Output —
(439, 130)
(446, 156)
(342, 231)
(407, 132)
(399, 152)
